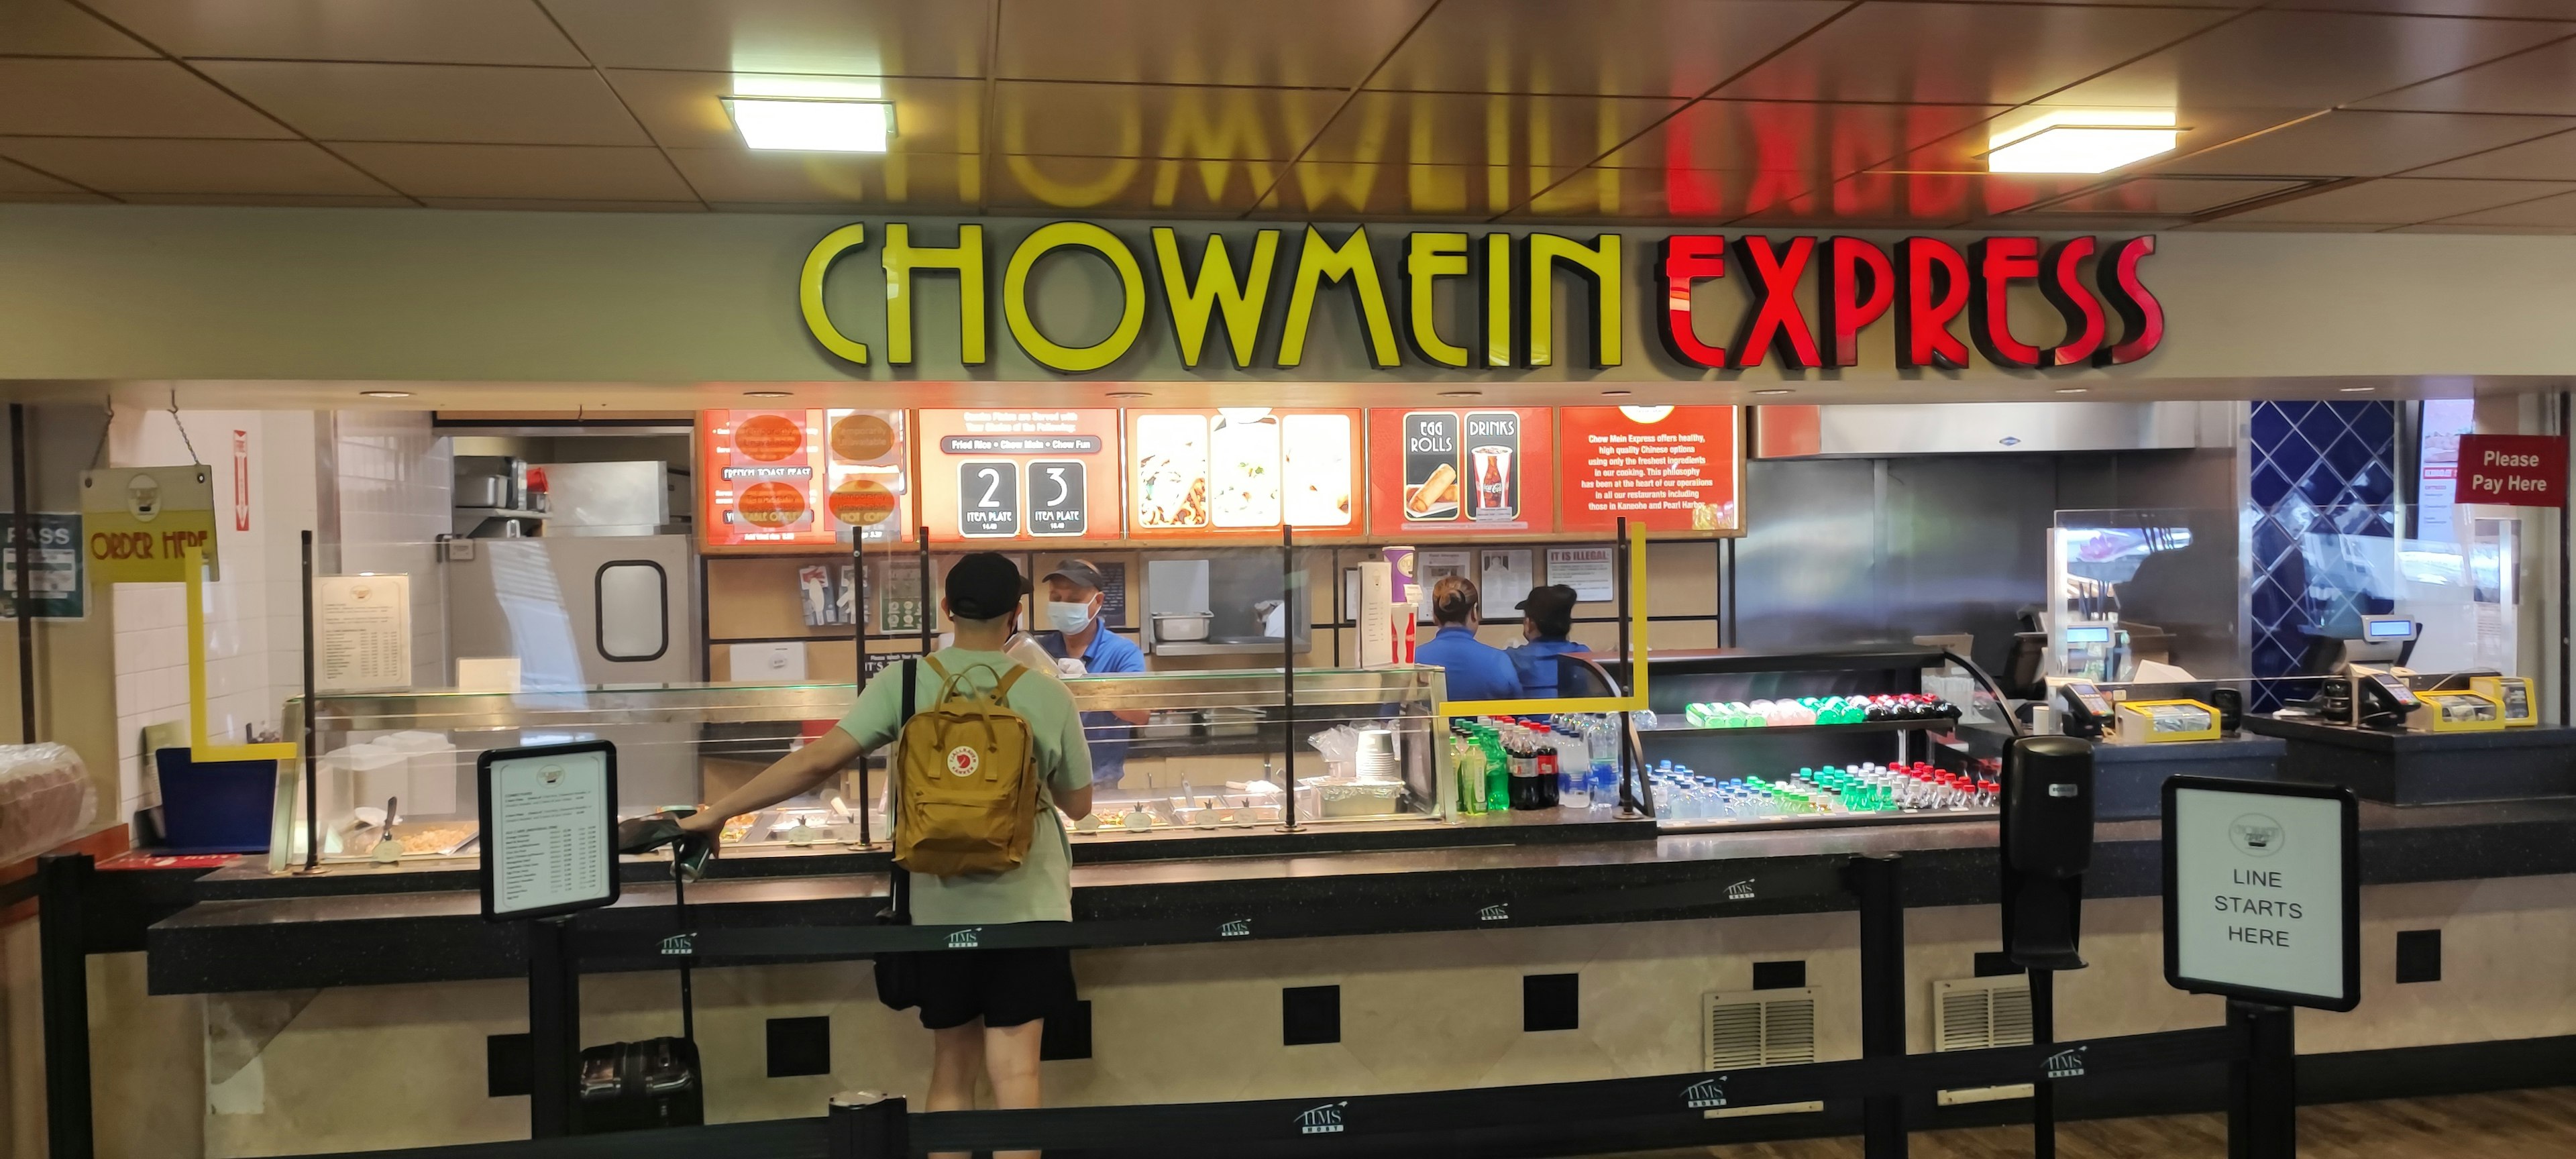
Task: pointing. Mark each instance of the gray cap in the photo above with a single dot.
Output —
(1080, 573)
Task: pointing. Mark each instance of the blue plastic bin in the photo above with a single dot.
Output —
(216, 807)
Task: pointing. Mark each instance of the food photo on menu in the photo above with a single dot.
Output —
(1243, 468)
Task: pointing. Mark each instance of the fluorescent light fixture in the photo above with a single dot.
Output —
(2082, 141)
(386, 393)
(1462, 394)
(1129, 394)
(1777, 391)
(1616, 393)
(2356, 389)
(764, 394)
(812, 124)
(2073, 389)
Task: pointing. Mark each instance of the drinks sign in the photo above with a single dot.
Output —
(1462, 470)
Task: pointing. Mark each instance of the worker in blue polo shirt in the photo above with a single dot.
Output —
(1547, 614)
(1475, 670)
(1083, 646)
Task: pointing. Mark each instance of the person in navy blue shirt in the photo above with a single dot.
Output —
(1072, 609)
(1546, 616)
(1475, 670)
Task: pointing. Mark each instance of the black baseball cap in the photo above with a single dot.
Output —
(1553, 602)
(983, 586)
(1080, 573)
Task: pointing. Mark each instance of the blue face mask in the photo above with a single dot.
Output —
(1064, 617)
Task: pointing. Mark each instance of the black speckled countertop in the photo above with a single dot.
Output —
(290, 942)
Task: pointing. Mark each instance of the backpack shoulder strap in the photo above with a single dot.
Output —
(1002, 688)
(935, 666)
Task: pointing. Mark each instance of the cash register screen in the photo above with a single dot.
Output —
(2093, 635)
(2389, 629)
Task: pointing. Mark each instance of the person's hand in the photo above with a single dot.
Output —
(637, 835)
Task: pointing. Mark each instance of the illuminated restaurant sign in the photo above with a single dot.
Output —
(1235, 297)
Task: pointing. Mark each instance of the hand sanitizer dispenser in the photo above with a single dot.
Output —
(2047, 846)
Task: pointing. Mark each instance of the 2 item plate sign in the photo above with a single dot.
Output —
(2262, 891)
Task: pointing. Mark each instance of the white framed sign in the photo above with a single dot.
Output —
(549, 816)
(2263, 891)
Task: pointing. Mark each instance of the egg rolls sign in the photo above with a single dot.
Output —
(1455, 301)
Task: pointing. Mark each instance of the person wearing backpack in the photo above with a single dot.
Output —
(993, 751)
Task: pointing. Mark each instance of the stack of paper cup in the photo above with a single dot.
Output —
(1377, 624)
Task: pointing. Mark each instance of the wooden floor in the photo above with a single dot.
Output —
(2505, 1125)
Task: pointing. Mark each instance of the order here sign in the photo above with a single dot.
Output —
(2519, 470)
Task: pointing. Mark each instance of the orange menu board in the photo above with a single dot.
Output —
(1669, 468)
(1242, 471)
(791, 480)
(1020, 474)
(1462, 470)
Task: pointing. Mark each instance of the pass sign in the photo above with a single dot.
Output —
(2263, 891)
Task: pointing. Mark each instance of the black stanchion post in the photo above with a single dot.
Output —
(22, 533)
(2043, 1094)
(1288, 674)
(2262, 1087)
(1876, 882)
(859, 661)
(867, 1125)
(554, 1027)
(63, 970)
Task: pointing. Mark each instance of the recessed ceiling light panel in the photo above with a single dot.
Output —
(2082, 141)
(812, 124)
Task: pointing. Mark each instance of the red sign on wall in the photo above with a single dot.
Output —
(1668, 468)
(2516, 470)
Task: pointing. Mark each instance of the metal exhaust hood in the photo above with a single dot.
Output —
(1972, 428)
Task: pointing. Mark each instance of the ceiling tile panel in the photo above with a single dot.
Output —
(739, 175)
(1827, 140)
(16, 178)
(840, 37)
(444, 102)
(2165, 196)
(1963, 53)
(522, 171)
(2522, 9)
(2309, 60)
(2557, 212)
(1348, 190)
(1316, 43)
(682, 109)
(447, 31)
(1704, 197)
(308, 200)
(1675, 48)
(562, 205)
(1129, 185)
(2529, 82)
(1553, 133)
(56, 28)
(120, 98)
(2403, 200)
(1199, 122)
(2364, 144)
(136, 165)
(2550, 158)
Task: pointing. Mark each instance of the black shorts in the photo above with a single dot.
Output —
(1002, 987)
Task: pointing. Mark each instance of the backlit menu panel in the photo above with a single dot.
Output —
(1020, 474)
(1462, 470)
(1670, 468)
(1242, 471)
(791, 480)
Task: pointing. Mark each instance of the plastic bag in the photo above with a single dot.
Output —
(45, 799)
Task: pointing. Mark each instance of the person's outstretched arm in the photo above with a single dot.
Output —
(792, 775)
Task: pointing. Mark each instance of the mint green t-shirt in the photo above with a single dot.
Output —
(1040, 888)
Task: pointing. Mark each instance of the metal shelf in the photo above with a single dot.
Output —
(1937, 724)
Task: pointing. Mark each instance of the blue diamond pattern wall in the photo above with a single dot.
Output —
(2318, 467)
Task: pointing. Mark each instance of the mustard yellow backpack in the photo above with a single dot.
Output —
(969, 779)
